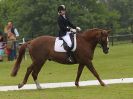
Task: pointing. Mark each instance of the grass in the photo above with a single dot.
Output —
(121, 91)
(117, 64)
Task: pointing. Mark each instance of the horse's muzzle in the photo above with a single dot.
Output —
(106, 50)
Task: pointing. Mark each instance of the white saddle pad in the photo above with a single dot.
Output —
(59, 44)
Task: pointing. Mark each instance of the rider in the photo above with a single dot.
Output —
(66, 27)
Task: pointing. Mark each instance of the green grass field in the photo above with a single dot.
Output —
(120, 91)
(117, 64)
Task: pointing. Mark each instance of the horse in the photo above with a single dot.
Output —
(42, 49)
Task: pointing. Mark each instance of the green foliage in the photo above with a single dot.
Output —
(39, 17)
(125, 9)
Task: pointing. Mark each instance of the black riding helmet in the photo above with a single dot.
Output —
(61, 7)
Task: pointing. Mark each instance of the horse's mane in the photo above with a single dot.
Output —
(91, 30)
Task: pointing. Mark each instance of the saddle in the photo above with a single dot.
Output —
(61, 45)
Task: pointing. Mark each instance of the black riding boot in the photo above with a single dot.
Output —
(68, 51)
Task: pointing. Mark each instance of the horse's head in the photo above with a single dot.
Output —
(95, 36)
(103, 40)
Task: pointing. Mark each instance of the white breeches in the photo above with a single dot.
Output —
(67, 39)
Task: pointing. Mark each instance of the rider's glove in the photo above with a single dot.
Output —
(73, 30)
(78, 28)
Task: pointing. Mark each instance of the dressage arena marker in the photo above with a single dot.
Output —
(66, 84)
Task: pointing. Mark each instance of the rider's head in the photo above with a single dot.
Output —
(61, 9)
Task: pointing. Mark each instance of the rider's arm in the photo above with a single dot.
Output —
(62, 24)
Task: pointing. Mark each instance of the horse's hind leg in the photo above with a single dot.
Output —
(94, 72)
(80, 69)
(35, 73)
(29, 70)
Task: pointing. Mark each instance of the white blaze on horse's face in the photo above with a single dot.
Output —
(108, 42)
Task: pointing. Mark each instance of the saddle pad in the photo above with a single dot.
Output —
(59, 45)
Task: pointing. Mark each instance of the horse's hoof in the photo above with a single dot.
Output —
(77, 85)
(20, 85)
(39, 87)
(103, 84)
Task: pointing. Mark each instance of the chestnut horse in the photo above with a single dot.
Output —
(42, 49)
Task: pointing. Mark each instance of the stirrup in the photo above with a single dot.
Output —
(70, 59)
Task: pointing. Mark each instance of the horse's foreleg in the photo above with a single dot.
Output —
(35, 73)
(80, 69)
(94, 72)
(29, 70)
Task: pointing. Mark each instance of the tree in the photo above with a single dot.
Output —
(39, 17)
(125, 8)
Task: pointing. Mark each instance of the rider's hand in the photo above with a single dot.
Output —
(78, 28)
(73, 30)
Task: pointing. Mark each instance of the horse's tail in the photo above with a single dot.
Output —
(19, 59)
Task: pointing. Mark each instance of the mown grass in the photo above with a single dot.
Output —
(118, 91)
(117, 64)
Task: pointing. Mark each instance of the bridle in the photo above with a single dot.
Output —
(102, 43)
